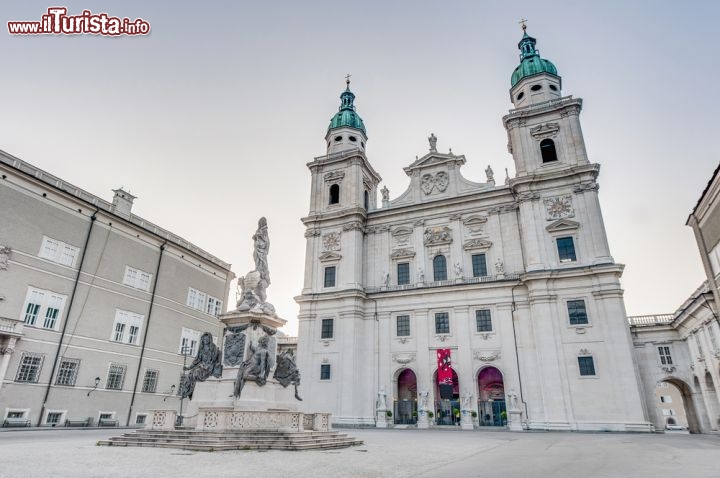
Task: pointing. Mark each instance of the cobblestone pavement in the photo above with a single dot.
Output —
(386, 453)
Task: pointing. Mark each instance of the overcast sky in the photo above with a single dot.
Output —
(211, 119)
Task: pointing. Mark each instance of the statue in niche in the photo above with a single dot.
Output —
(490, 174)
(499, 267)
(206, 363)
(433, 142)
(458, 270)
(287, 372)
(386, 279)
(256, 368)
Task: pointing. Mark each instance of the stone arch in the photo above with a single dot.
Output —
(689, 404)
(490, 383)
(405, 385)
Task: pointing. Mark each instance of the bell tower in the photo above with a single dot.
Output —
(346, 130)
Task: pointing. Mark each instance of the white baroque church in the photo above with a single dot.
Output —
(513, 282)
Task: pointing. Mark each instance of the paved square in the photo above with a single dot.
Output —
(386, 453)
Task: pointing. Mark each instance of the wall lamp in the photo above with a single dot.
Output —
(97, 382)
(172, 390)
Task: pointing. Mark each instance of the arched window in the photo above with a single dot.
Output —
(335, 194)
(367, 200)
(547, 150)
(439, 268)
(671, 421)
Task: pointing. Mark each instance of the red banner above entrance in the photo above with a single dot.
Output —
(445, 373)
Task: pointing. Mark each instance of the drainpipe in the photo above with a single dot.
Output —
(67, 316)
(517, 355)
(145, 334)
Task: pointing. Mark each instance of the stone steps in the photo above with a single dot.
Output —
(219, 441)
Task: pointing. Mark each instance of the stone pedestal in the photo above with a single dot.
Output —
(466, 420)
(423, 420)
(382, 419)
(514, 420)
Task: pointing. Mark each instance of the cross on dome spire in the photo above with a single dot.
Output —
(347, 80)
(522, 22)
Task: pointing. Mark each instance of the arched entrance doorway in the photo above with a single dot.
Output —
(491, 398)
(674, 405)
(405, 407)
(447, 409)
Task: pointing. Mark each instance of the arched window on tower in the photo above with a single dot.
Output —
(335, 194)
(547, 150)
(439, 268)
(367, 200)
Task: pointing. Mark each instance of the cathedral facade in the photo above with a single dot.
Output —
(480, 304)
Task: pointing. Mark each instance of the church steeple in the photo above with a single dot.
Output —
(535, 79)
(346, 130)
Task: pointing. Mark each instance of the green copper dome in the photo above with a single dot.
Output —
(530, 61)
(346, 117)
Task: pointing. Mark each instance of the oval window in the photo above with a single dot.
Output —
(521, 95)
(352, 138)
(536, 87)
(553, 87)
(338, 138)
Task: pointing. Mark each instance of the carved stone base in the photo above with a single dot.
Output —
(271, 396)
(423, 420)
(382, 419)
(514, 420)
(231, 419)
(161, 420)
(466, 420)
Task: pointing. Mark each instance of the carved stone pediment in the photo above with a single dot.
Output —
(558, 207)
(434, 236)
(486, 355)
(334, 176)
(329, 256)
(547, 130)
(404, 358)
(402, 234)
(402, 254)
(476, 244)
(563, 225)
(475, 223)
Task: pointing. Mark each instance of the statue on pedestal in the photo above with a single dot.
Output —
(256, 368)
(287, 372)
(206, 363)
(254, 284)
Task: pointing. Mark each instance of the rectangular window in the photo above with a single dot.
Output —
(43, 308)
(196, 299)
(150, 381)
(325, 371)
(403, 325)
(59, 252)
(665, 357)
(666, 399)
(126, 328)
(442, 323)
(140, 419)
(214, 306)
(67, 373)
(116, 377)
(189, 340)
(566, 249)
(483, 320)
(137, 278)
(587, 366)
(53, 418)
(577, 312)
(326, 329)
(330, 276)
(403, 273)
(15, 414)
(479, 265)
(29, 369)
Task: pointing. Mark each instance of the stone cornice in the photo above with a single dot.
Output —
(567, 104)
(530, 181)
